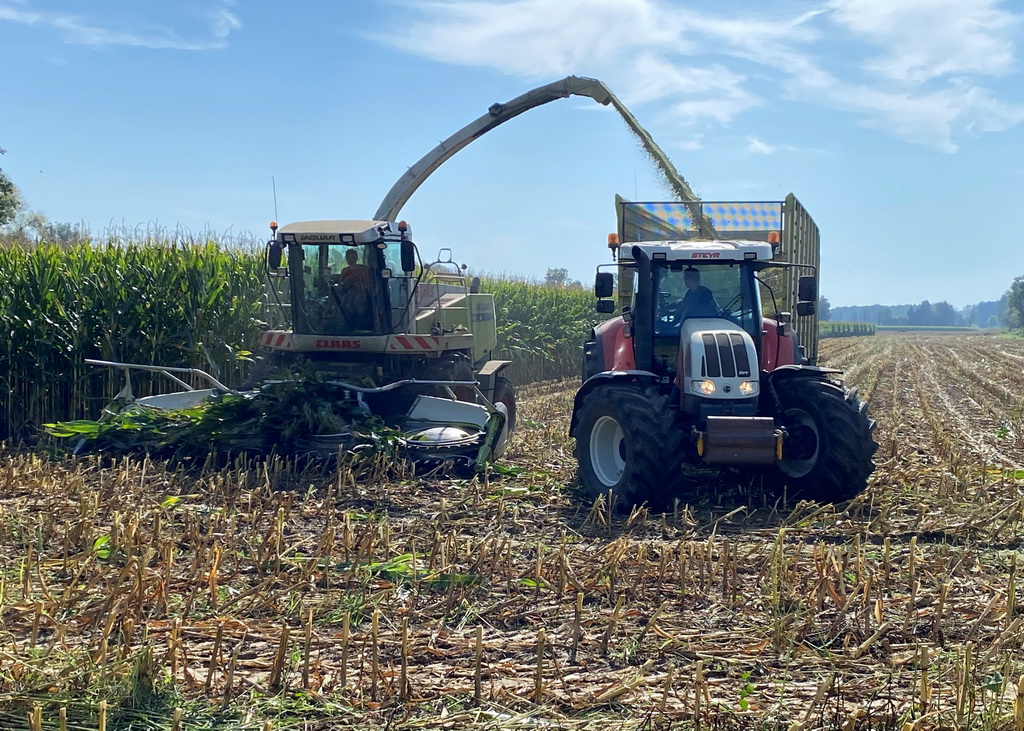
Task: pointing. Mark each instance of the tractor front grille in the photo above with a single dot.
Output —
(725, 356)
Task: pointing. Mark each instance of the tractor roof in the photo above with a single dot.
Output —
(338, 231)
(695, 251)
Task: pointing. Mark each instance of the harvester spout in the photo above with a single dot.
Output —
(499, 113)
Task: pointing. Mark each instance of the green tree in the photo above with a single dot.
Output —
(824, 309)
(556, 277)
(10, 199)
(1015, 305)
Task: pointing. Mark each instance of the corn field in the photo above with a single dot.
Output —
(174, 304)
(541, 329)
(195, 304)
(830, 329)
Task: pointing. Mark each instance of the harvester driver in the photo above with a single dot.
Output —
(698, 300)
(355, 284)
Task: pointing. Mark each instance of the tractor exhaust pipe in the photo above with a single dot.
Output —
(643, 316)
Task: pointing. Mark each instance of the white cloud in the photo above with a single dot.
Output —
(930, 118)
(224, 21)
(693, 144)
(529, 37)
(541, 38)
(78, 31)
(757, 146)
(922, 57)
(925, 39)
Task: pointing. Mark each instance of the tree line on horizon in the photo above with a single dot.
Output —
(990, 314)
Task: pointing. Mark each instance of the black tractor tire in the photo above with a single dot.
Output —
(629, 441)
(505, 393)
(827, 456)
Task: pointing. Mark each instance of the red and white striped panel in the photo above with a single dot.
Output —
(275, 339)
(413, 343)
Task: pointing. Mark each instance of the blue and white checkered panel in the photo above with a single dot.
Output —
(760, 216)
(656, 222)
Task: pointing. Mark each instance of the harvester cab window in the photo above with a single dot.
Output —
(338, 287)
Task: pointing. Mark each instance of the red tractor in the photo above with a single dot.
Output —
(691, 372)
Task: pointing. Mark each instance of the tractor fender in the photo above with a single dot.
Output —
(786, 372)
(603, 379)
(792, 371)
(487, 375)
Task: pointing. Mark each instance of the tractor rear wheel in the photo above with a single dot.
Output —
(628, 442)
(827, 455)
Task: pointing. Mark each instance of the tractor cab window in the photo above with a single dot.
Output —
(337, 288)
(704, 290)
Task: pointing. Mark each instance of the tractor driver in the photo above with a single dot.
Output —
(698, 300)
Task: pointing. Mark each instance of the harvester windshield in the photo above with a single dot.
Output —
(345, 289)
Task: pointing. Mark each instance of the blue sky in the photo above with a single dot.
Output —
(898, 123)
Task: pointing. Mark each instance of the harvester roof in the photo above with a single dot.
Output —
(338, 231)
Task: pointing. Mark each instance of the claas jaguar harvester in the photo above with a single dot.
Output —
(690, 372)
(412, 341)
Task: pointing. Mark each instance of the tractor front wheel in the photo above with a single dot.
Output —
(827, 455)
(627, 442)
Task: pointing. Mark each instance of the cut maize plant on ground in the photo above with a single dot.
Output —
(262, 595)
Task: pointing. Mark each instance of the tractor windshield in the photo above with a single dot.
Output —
(705, 290)
(340, 285)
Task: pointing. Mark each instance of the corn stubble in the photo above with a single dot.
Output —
(267, 594)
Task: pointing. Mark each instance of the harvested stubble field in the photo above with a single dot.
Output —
(256, 596)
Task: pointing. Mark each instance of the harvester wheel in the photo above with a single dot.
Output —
(827, 455)
(505, 393)
(627, 442)
(266, 366)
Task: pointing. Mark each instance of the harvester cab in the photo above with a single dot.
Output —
(345, 277)
(692, 372)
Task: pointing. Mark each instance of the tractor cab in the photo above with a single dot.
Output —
(694, 319)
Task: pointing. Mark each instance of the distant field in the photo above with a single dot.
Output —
(928, 328)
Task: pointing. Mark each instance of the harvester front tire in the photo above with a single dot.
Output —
(505, 393)
(627, 442)
(828, 457)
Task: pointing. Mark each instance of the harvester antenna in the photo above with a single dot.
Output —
(273, 184)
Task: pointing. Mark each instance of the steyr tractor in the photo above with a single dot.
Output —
(691, 372)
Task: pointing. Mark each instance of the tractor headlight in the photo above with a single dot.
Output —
(704, 387)
(748, 388)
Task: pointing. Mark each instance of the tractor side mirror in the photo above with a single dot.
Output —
(408, 256)
(805, 308)
(605, 307)
(807, 289)
(275, 252)
(603, 284)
